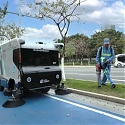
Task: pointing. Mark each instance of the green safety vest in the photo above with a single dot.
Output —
(104, 55)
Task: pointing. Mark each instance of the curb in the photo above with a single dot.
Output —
(77, 66)
(99, 96)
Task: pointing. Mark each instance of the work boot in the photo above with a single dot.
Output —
(99, 86)
(113, 85)
(103, 84)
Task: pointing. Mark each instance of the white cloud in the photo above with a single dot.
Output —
(96, 11)
(101, 12)
(97, 30)
(47, 33)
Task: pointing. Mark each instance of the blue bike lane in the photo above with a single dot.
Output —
(54, 110)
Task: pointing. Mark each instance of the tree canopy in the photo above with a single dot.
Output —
(116, 40)
(79, 46)
(8, 30)
(3, 11)
(61, 12)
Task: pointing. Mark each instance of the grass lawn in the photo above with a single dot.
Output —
(90, 86)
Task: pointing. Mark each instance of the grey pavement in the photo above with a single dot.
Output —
(87, 99)
(96, 95)
(99, 96)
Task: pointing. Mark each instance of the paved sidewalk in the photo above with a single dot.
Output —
(84, 98)
(99, 96)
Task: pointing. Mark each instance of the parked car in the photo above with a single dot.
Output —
(119, 60)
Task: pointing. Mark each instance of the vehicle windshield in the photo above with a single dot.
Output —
(38, 57)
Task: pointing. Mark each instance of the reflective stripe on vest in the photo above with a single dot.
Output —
(104, 54)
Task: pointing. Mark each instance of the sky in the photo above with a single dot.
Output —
(97, 13)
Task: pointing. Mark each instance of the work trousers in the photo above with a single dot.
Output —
(106, 75)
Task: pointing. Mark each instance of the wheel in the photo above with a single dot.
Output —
(1, 88)
(45, 90)
(7, 92)
(119, 65)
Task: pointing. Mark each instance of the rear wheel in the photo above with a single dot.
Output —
(7, 92)
(1, 88)
(119, 65)
(45, 90)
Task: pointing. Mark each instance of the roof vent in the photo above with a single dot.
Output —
(21, 41)
(39, 42)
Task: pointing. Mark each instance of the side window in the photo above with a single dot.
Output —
(121, 59)
(16, 57)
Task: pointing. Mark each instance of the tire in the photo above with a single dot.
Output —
(45, 90)
(6, 92)
(119, 65)
(1, 88)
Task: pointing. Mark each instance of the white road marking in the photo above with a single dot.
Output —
(118, 80)
(88, 108)
(96, 81)
(92, 74)
(91, 71)
(81, 74)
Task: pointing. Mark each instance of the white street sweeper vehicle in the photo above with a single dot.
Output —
(29, 66)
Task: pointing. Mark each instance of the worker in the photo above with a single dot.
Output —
(104, 58)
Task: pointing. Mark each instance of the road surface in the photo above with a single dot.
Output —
(89, 73)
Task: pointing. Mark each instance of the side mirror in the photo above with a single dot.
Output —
(57, 45)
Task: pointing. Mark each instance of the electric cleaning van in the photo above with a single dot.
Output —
(28, 65)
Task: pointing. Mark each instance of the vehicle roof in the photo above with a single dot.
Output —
(33, 44)
(120, 55)
(36, 45)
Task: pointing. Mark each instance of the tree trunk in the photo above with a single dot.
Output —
(81, 62)
(62, 63)
(62, 66)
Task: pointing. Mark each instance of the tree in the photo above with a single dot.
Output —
(82, 46)
(10, 30)
(70, 50)
(61, 12)
(115, 37)
(122, 40)
(3, 11)
(77, 46)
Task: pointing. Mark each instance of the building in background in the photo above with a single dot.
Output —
(107, 27)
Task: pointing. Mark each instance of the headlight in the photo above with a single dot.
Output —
(57, 76)
(28, 79)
